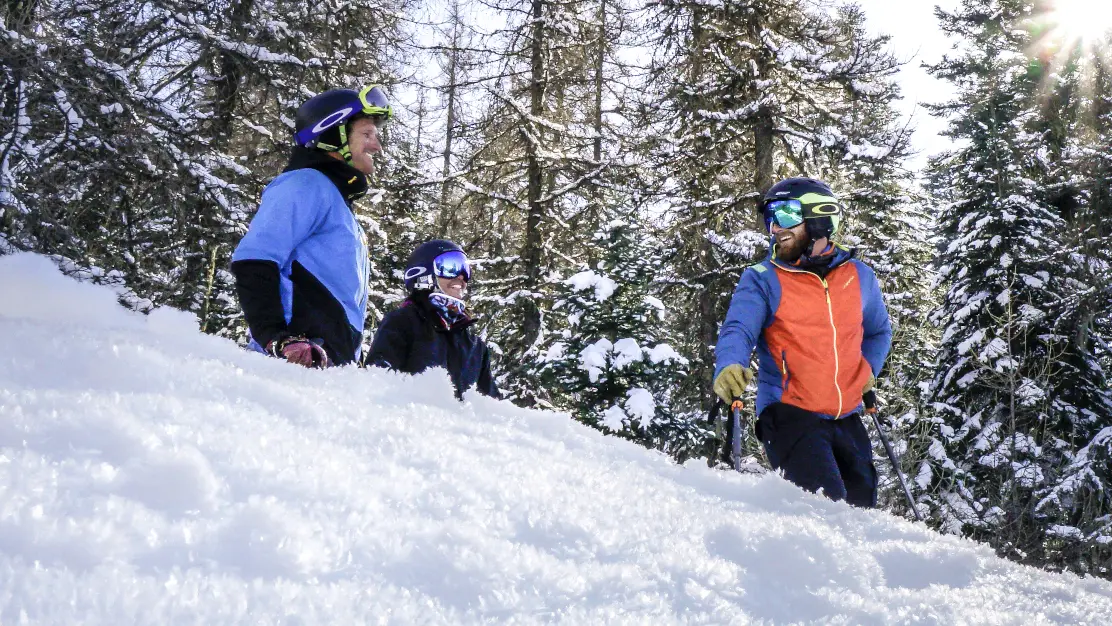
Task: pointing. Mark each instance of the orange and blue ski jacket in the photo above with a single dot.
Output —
(818, 339)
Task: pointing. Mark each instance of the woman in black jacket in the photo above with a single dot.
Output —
(432, 328)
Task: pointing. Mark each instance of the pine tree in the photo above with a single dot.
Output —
(528, 170)
(1076, 503)
(612, 365)
(1013, 388)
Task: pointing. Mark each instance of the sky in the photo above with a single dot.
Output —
(150, 474)
(916, 39)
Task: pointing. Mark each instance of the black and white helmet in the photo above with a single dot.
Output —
(431, 259)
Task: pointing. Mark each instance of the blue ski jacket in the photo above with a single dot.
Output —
(302, 268)
(820, 333)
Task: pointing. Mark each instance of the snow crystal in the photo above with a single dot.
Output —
(593, 358)
(996, 347)
(555, 352)
(1069, 532)
(866, 150)
(587, 279)
(1030, 393)
(1033, 282)
(664, 353)
(626, 352)
(614, 418)
(926, 474)
(975, 339)
(640, 404)
(967, 380)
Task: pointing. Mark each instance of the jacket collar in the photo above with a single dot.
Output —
(351, 183)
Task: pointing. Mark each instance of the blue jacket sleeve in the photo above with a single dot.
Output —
(292, 208)
(750, 311)
(877, 339)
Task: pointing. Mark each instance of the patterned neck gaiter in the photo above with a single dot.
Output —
(451, 310)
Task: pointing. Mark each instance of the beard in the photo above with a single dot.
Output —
(790, 246)
(364, 163)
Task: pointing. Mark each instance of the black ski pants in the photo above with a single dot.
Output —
(815, 453)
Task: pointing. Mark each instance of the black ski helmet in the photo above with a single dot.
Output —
(324, 120)
(420, 275)
(822, 212)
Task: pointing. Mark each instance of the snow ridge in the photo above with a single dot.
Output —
(153, 475)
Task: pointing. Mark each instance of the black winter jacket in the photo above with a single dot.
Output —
(413, 338)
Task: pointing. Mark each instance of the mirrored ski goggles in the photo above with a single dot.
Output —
(375, 103)
(785, 213)
(452, 264)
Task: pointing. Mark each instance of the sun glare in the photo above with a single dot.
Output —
(1087, 20)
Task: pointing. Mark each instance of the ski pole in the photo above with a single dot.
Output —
(870, 408)
(735, 440)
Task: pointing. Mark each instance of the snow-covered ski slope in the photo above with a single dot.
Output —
(153, 475)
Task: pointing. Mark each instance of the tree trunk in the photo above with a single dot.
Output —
(228, 85)
(201, 267)
(450, 130)
(531, 254)
(764, 127)
(595, 210)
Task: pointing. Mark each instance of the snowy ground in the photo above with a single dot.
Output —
(152, 475)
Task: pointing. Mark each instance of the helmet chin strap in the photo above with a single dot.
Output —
(345, 149)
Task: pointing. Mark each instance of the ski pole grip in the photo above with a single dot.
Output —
(870, 401)
(737, 404)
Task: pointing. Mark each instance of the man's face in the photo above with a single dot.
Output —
(790, 242)
(455, 287)
(364, 144)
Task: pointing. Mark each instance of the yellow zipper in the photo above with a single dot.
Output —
(830, 311)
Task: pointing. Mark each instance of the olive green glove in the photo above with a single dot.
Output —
(870, 385)
(732, 381)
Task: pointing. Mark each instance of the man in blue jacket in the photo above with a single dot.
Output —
(817, 319)
(432, 327)
(302, 269)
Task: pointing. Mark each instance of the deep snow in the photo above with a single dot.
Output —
(153, 475)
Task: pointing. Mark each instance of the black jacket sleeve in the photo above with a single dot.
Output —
(257, 285)
(391, 346)
(486, 384)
